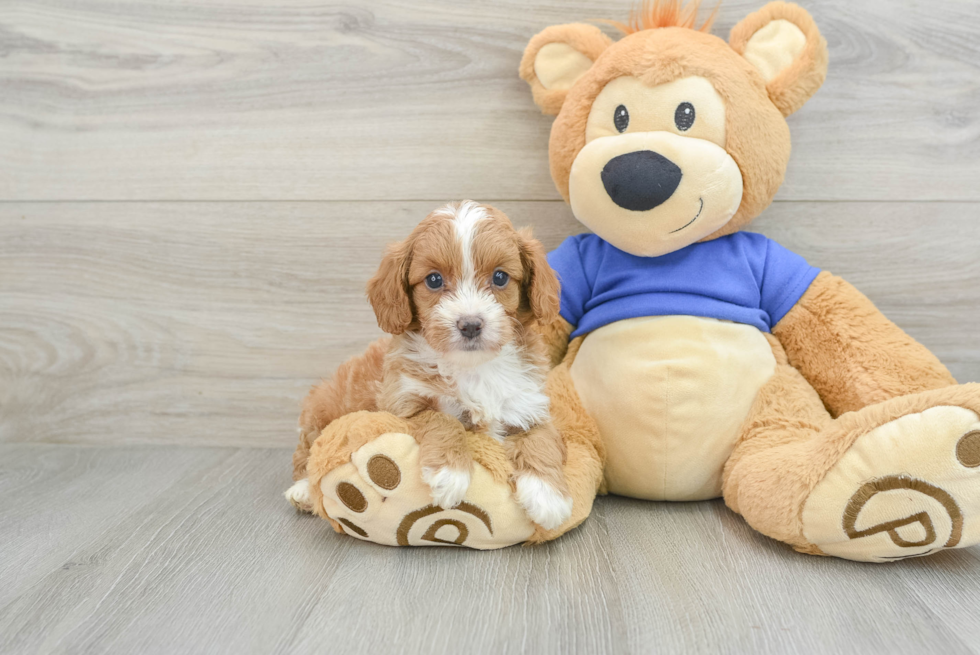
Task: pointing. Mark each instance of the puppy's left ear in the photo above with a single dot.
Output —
(540, 286)
(783, 43)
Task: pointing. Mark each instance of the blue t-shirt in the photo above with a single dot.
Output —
(743, 277)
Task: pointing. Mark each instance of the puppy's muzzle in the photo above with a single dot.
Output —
(470, 326)
(640, 181)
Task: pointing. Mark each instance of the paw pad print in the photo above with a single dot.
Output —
(968, 449)
(379, 496)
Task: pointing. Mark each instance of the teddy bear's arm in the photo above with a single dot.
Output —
(850, 353)
(555, 336)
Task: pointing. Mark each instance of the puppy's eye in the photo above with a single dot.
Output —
(684, 116)
(433, 281)
(500, 279)
(621, 118)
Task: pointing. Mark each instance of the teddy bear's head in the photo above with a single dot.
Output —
(670, 135)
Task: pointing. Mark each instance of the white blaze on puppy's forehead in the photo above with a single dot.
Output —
(465, 216)
(468, 297)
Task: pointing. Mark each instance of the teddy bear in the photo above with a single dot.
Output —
(693, 359)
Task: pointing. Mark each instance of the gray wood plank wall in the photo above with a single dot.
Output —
(192, 196)
(203, 323)
(380, 100)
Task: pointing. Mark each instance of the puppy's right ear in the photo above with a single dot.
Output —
(556, 58)
(541, 284)
(388, 290)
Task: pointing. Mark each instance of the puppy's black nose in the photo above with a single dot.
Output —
(640, 180)
(470, 326)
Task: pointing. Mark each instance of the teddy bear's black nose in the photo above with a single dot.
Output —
(640, 180)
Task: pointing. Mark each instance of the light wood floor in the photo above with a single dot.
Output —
(192, 195)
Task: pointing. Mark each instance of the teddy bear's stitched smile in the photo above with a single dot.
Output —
(701, 200)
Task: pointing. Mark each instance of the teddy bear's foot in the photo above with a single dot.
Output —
(380, 495)
(907, 488)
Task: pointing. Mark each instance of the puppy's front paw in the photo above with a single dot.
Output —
(448, 485)
(544, 504)
(299, 496)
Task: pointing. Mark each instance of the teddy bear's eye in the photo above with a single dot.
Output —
(433, 281)
(684, 116)
(621, 118)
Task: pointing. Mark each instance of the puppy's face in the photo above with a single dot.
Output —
(467, 280)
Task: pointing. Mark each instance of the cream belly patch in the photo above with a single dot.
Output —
(669, 395)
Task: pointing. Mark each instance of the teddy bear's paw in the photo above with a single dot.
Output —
(381, 496)
(448, 485)
(298, 496)
(908, 488)
(544, 504)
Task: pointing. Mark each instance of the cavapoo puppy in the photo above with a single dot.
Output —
(461, 296)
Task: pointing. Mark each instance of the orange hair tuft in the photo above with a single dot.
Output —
(652, 14)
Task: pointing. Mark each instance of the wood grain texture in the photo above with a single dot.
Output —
(54, 501)
(381, 99)
(204, 323)
(703, 581)
(214, 560)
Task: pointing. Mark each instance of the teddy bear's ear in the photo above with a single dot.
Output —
(783, 43)
(558, 56)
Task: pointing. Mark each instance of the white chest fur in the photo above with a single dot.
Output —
(501, 393)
